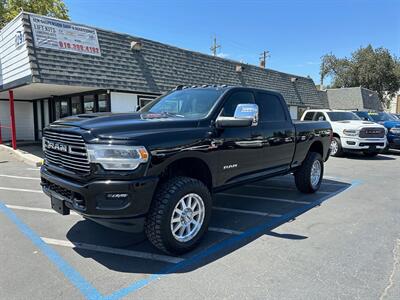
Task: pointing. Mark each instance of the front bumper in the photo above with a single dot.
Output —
(119, 204)
(357, 144)
(394, 141)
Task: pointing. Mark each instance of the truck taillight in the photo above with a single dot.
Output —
(330, 136)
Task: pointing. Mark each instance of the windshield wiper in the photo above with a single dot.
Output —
(172, 114)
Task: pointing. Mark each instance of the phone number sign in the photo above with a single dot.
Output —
(55, 34)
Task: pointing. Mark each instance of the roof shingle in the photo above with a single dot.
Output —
(158, 67)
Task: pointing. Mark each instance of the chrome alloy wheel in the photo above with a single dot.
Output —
(187, 217)
(316, 171)
(334, 147)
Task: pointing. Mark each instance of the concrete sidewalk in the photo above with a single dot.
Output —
(29, 152)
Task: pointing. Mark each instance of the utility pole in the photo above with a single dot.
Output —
(263, 58)
(214, 47)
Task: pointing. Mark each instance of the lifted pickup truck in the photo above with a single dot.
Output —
(157, 169)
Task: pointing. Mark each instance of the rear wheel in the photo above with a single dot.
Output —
(308, 177)
(336, 147)
(179, 215)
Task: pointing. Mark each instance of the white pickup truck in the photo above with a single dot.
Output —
(350, 133)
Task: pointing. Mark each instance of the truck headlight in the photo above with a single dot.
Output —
(350, 132)
(117, 157)
(395, 130)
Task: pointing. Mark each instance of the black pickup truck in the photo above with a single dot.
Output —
(156, 169)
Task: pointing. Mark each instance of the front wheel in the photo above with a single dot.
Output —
(308, 177)
(179, 215)
(336, 147)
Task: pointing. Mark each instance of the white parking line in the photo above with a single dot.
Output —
(224, 230)
(19, 177)
(20, 190)
(280, 188)
(264, 198)
(242, 211)
(288, 179)
(110, 250)
(45, 210)
(50, 211)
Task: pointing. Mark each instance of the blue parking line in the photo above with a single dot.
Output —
(89, 291)
(225, 244)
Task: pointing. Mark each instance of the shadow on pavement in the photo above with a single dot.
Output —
(249, 212)
(360, 156)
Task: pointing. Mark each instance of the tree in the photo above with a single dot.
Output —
(9, 9)
(375, 69)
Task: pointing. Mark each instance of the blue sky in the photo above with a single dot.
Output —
(296, 32)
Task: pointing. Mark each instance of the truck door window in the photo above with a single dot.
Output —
(270, 108)
(319, 116)
(309, 116)
(236, 98)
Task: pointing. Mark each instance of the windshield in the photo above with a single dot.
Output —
(363, 115)
(381, 117)
(342, 116)
(397, 117)
(187, 103)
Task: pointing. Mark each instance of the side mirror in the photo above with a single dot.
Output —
(245, 115)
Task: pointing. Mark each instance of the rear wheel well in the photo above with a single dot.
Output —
(317, 147)
(189, 167)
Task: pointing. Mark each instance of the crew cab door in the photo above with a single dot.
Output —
(236, 152)
(275, 131)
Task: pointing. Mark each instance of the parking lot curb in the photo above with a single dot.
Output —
(23, 156)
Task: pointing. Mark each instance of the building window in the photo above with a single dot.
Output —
(61, 109)
(88, 104)
(144, 100)
(64, 108)
(76, 105)
(104, 103)
(57, 110)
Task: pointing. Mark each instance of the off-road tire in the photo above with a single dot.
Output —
(157, 227)
(302, 176)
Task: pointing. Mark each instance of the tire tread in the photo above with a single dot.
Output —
(161, 201)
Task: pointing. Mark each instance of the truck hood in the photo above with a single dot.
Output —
(354, 124)
(125, 125)
(390, 124)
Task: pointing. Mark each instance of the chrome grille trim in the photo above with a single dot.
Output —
(75, 160)
(372, 132)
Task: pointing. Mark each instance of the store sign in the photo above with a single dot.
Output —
(19, 38)
(65, 36)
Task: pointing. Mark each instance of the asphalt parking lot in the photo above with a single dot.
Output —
(266, 241)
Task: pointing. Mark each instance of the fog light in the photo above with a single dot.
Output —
(117, 196)
(351, 143)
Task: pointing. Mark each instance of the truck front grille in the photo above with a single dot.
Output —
(372, 133)
(66, 150)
